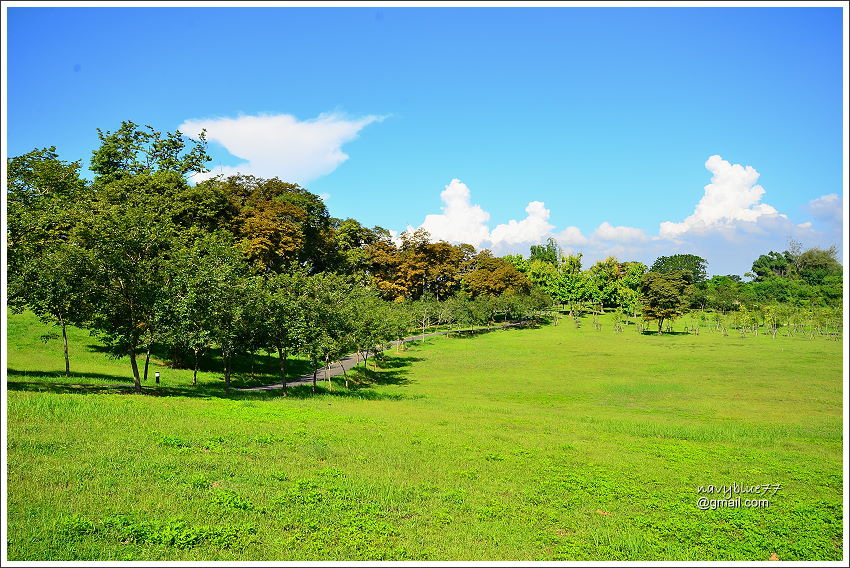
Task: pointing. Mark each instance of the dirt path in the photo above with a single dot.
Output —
(350, 361)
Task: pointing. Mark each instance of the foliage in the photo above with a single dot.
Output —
(690, 262)
(665, 295)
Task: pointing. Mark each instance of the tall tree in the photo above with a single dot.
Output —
(549, 252)
(694, 264)
(44, 269)
(665, 295)
(284, 316)
(128, 233)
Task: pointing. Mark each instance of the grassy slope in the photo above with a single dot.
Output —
(543, 444)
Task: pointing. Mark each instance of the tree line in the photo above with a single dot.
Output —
(142, 257)
(795, 280)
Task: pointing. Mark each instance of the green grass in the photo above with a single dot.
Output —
(553, 443)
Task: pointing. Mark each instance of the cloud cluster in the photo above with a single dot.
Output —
(733, 195)
(461, 221)
(534, 228)
(730, 226)
(281, 145)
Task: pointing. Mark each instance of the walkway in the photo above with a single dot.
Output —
(350, 361)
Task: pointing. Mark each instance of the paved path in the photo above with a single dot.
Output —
(348, 362)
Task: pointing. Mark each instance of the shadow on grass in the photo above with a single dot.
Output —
(258, 364)
(655, 332)
(338, 390)
(392, 372)
(44, 375)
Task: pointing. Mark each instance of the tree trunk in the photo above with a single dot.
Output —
(195, 375)
(137, 383)
(65, 343)
(226, 356)
(327, 368)
(659, 325)
(282, 359)
(315, 368)
(148, 359)
(344, 374)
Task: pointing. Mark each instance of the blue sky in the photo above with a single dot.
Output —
(497, 126)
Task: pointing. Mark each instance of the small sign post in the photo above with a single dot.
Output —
(157, 377)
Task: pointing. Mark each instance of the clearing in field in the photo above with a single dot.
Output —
(551, 443)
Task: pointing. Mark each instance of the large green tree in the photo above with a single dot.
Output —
(665, 295)
(45, 197)
(692, 263)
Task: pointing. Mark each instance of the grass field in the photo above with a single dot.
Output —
(553, 443)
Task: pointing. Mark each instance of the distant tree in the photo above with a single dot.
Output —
(275, 222)
(720, 293)
(694, 264)
(549, 252)
(816, 264)
(493, 276)
(628, 286)
(544, 275)
(572, 285)
(602, 281)
(518, 261)
(665, 295)
(771, 264)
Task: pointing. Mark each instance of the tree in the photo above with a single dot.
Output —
(602, 281)
(665, 295)
(692, 263)
(44, 268)
(550, 252)
(327, 312)
(125, 248)
(544, 275)
(132, 150)
(572, 286)
(628, 286)
(493, 276)
(128, 233)
(52, 285)
(201, 274)
(283, 320)
(816, 264)
(771, 264)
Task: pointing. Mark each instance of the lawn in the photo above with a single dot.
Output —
(549, 443)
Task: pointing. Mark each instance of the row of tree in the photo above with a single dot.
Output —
(143, 258)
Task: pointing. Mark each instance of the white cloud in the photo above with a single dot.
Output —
(531, 229)
(732, 196)
(571, 236)
(464, 222)
(730, 226)
(828, 208)
(281, 145)
(460, 222)
(608, 232)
